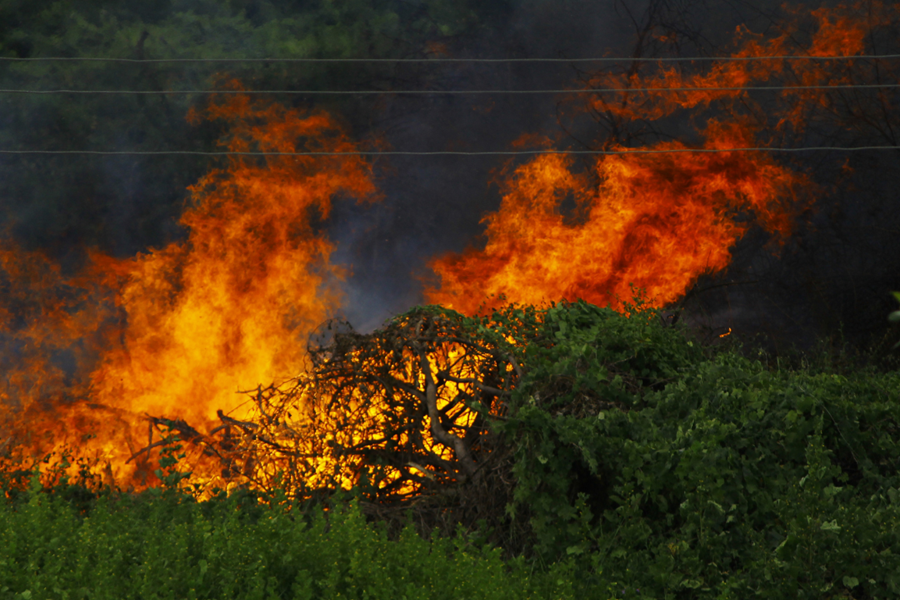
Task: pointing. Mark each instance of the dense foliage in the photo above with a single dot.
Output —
(698, 476)
(625, 452)
(168, 546)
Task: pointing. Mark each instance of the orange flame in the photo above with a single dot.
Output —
(231, 306)
(50, 329)
(652, 221)
(838, 31)
(658, 221)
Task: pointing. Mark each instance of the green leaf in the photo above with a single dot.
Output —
(830, 526)
(851, 582)
(894, 495)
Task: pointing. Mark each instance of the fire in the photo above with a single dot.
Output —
(99, 358)
(50, 328)
(393, 411)
(229, 307)
(652, 221)
(659, 221)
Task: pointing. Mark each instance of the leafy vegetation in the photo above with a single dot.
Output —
(698, 476)
(642, 465)
(170, 546)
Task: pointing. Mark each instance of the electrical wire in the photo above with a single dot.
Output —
(439, 152)
(438, 92)
(603, 59)
(461, 92)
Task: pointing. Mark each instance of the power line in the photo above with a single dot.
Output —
(603, 59)
(440, 152)
(460, 92)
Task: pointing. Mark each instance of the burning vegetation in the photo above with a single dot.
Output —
(403, 415)
(196, 319)
(107, 361)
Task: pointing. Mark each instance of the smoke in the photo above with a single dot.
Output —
(831, 277)
(837, 266)
(434, 205)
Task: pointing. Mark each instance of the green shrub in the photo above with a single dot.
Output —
(168, 546)
(643, 466)
(704, 477)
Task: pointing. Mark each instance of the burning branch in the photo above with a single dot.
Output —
(401, 412)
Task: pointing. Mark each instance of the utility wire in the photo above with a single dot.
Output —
(460, 92)
(454, 60)
(604, 59)
(440, 152)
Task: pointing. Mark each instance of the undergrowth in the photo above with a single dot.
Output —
(644, 465)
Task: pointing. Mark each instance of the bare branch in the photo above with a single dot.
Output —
(458, 445)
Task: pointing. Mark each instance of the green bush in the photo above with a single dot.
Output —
(643, 466)
(692, 476)
(168, 546)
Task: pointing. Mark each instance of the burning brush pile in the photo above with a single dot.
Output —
(403, 415)
(106, 358)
